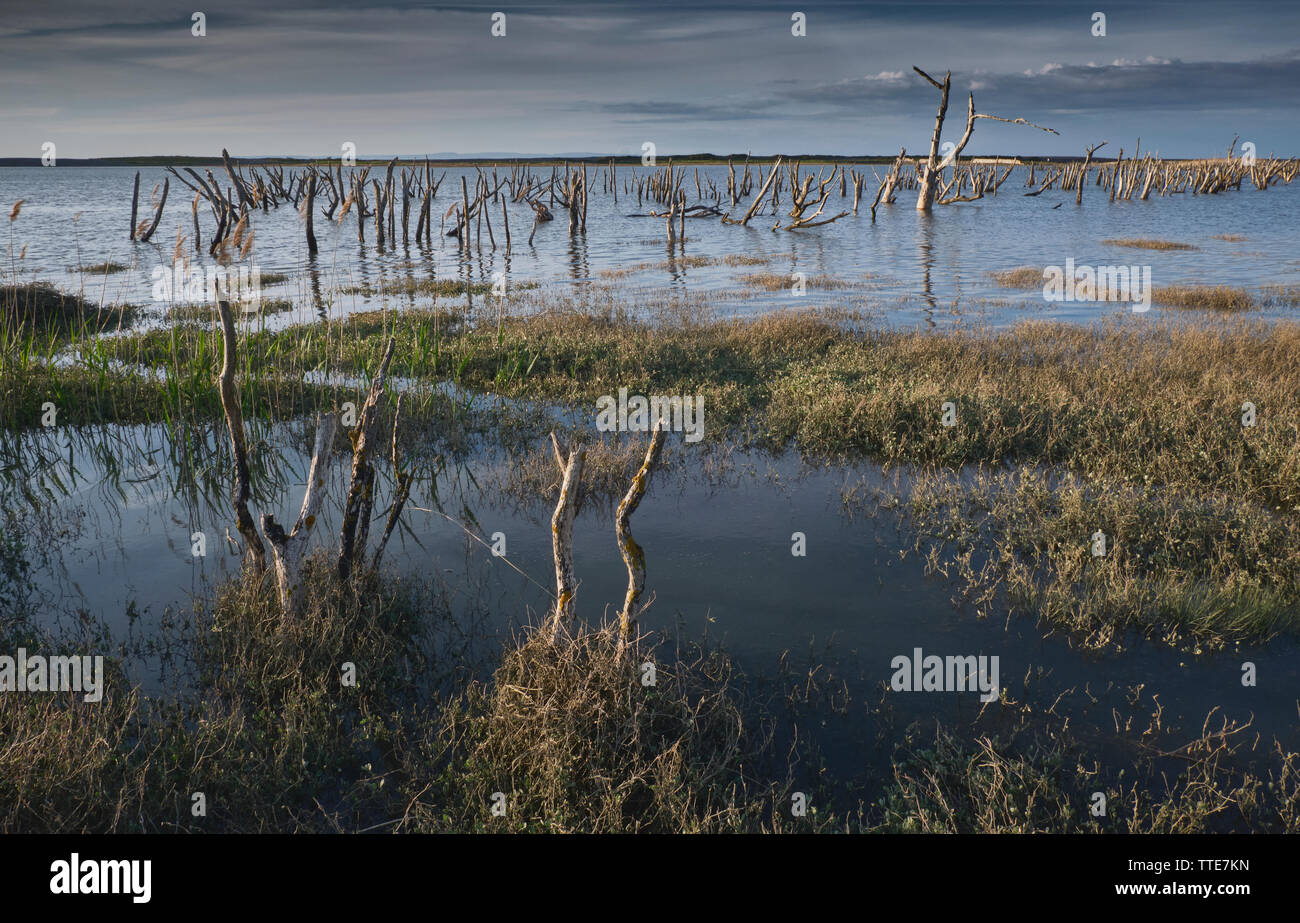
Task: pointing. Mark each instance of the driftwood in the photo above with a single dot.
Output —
(633, 556)
(288, 549)
(255, 553)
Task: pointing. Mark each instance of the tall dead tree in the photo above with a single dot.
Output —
(254, 552)
(933, 165)
(1083, 171)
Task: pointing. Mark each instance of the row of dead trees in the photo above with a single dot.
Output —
(389, 204)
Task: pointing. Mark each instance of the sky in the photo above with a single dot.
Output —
(268, 78)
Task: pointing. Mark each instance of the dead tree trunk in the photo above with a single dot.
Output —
(633, 556)
(311, 205)
(288, 549)
(1083, 171)
(562, 533)
(925, 197)
(157, 216)
(135, 203)
(403, 491)
(361, 489)
(254, 552)
(933, 166)
(758, 199)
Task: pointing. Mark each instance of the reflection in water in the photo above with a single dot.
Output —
(124, 502)
(579, 267)
(925, 246)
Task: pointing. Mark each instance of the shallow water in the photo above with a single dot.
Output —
(117, 506)
(719, 561)
(913, 269)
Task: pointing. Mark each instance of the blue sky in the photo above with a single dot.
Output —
(109, 79)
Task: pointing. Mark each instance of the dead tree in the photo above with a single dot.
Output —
(135, 203)
(360, 498)
(933, 165)
(566, 508)
(758, 199)
(633, 556)
(402, 492)
(288, 549)
(1083, 171)
(799, 201)
(157, 215)
(255, 553)
(311, 200)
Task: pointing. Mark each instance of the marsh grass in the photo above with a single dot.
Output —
(39, 311)
(1223, 299)
(267, 729)
(1125, 408)
(574, 740)
(1197, 572)
(408, 285)
(775, 282)
(1093, 400)
(1147, 244)
(267, 732)
(1020, 277)
(991, 785)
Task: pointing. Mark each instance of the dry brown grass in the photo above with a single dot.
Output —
(775, 281)
(1142, 243)
(574, 740)
(1222, 298)
(1020, 277)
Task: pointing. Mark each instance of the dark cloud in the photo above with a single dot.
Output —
(300, 77)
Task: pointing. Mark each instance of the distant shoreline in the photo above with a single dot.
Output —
(625, 161)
